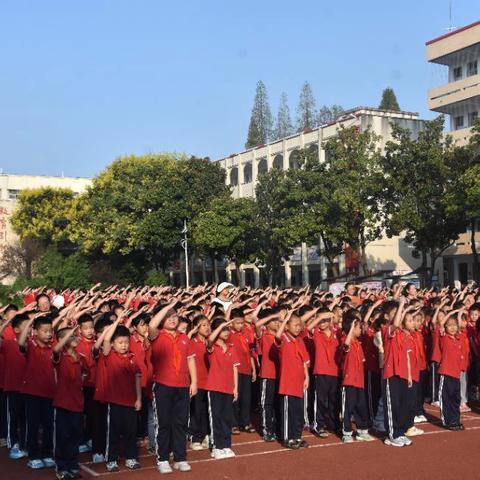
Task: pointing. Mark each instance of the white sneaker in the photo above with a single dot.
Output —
(406, 441)
(395, 442)
(84, 448)
(347, 439)
(182, 466)
(435, 404)
(420, 419)
(196, 446)
(364, 436)
(205, 443)
(164, 467)
(218, 454)
(414, 432)
(98, 458)
(229, 453)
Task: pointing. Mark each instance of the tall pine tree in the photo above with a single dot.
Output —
(260, 128)
(389, 100)
(307, 116)
(283, 126)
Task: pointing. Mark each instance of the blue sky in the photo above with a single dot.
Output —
(83, 82)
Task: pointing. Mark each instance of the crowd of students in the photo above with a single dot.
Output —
(107, 371)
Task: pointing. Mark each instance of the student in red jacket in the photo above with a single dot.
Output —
(266, 327)
(123, 396)
(354, 401)
(222, 386)
(451, 365)
(175, 377)
(421, 360)
(246, 374)
(293, 381)
(198, 428)
(68, 403)
(326, 373)
(39, 389)
(13, 381)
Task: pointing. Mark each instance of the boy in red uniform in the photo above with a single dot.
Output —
(246, 374)
(175, 377)
(68, 404)
(222, 386)
(86, 341)
(294, 379)
(398, 380)
(326, 372)
(13, 381)
(451, 365)
(198, 427)
(266, 328)
(38, 389)
(353, 393)
(123, 396)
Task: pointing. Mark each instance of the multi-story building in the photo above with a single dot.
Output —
(459, 98)
(387, 256)
(459, 51)
(12, 185)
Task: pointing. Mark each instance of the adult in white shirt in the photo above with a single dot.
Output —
(224, 290)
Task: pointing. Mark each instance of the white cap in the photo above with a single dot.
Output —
(58, 301)
(223, 286)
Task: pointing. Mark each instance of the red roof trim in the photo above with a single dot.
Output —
(453, 33)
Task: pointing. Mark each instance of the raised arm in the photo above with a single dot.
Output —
(158, 318)
(63, 341)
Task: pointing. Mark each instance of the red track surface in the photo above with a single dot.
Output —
(439, 454)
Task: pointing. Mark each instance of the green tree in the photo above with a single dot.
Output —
(306, 113)
(137, 206)
(353, 172)
(329, 114)
(43, 214)
(59, 271)
(260, 127)
(389, 100)
(417, 187)
(283, 126)
(228, 229)
(464, 198)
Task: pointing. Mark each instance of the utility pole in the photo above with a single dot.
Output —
(184, 243)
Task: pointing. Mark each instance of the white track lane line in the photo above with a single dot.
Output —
(281, 450)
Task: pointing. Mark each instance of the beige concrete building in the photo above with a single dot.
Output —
(459, 98)
(459, 52)
(12, 185)
(387, 256)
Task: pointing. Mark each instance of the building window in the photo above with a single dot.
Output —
(457, 73)
(472, 68)
(13, 194)
(458, 122)
(472, 118)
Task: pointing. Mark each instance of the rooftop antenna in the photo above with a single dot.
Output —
(450, 28)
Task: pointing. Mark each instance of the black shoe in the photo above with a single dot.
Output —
(320, 433)
(64, 476)
(304, 444)
(461, 426)
(293, 444)
(75, 474)
(270, 437)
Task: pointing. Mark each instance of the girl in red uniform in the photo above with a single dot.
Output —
(198, 427)
(452, 363)
(353, 392)
(222, 386)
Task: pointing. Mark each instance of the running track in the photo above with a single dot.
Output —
(438, 454)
